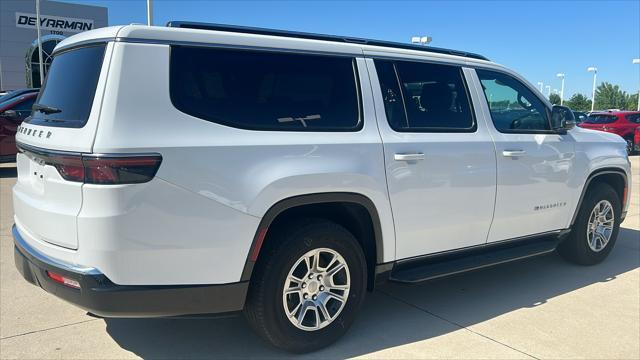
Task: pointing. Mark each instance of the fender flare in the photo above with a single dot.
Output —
(310, 199)
(590, 178)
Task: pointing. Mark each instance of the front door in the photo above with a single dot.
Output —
(440, 163)
(534, 163)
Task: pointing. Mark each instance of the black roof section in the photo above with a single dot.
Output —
(304, 35)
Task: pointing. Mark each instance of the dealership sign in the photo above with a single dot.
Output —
(53, 23)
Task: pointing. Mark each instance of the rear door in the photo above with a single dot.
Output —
(534, 163)
(45, 204)
(440, 164)
(602, 122)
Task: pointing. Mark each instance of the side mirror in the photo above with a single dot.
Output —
(9, 114)
(562, 119)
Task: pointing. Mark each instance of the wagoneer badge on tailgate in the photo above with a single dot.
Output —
(33, 132)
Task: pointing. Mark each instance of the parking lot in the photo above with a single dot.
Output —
(537, 308)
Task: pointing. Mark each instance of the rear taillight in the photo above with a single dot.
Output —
(120, 170)
(99, 169)
(69, 166)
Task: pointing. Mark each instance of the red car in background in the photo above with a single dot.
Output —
(623, 123)
(636, 140)
(12, 112)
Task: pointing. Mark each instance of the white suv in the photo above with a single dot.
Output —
(200, 168)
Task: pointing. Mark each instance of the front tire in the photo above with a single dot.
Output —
(630, 146)
(596, 228)
(308, 285)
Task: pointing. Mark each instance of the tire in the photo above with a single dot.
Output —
(265, 306)
(629, 146)
(580, 246)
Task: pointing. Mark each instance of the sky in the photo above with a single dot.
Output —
(538, 39)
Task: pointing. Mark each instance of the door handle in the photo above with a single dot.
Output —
(408, 157)
(514, 153)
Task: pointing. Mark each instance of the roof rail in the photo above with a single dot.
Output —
(304, 35)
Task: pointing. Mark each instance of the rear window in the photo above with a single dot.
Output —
(600, 119)
(70, 87)
(633, 118)
(265, 90)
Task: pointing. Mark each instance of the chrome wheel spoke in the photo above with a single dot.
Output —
(308, 264)
(336, 296)
(338, 287)
(317, 325)
(294, 290)
(303, 313)
(323, 309)
(292, 313)
(333, 261)
(335, 270)
(294, 278)
(315, 261)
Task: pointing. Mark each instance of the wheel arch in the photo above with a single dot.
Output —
(341, 207)
(616, 177)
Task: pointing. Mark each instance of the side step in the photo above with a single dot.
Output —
(440, 265)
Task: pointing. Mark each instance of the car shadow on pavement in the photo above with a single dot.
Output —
(8, 172)
(393, 315)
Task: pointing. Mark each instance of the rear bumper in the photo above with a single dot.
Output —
(100, 296)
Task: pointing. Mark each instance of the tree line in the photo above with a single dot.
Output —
(608, 96)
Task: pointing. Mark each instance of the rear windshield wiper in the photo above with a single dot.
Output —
(45, 109)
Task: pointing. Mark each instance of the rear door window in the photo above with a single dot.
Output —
(634, 118)
(600, 119)
(425, 97)
(70, 87)
(266, 90)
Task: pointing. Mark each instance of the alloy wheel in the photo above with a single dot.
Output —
(600, 226)
(316, 289)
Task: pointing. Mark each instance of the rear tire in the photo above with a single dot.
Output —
(595, 230)
(326, 246)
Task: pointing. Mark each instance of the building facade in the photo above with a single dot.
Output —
(19, 57)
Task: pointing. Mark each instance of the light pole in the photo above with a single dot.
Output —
(421, 40)
(594, 70)
(540, 84)
(561, 76)
(548, 90)
(40, 65)
(150, 12)
(637, 61)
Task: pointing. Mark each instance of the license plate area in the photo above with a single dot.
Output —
(37, 173)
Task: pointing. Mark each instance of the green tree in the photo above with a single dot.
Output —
(632, 102)
(579, 102)
(609, 96)
(554, 99)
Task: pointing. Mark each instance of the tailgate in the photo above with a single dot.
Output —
(63, 122)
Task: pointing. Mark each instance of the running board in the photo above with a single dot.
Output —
(436, 266)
